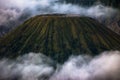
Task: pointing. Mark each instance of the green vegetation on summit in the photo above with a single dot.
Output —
(59, 36)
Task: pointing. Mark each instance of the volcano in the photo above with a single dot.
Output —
(59, 36)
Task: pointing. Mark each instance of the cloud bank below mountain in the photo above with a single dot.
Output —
(34, 66)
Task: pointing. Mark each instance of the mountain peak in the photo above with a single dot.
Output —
(59, 37)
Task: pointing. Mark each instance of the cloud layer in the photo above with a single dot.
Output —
(14, 9)
(103, 67)
(33, 66)
(28, 67)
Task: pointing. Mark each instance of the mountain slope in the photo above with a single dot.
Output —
(112, 23)
(59, 36)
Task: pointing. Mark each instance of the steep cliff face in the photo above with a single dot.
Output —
(59, 36)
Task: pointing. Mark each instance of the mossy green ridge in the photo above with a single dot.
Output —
(59, 36)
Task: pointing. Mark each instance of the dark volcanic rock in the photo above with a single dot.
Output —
(59, 37)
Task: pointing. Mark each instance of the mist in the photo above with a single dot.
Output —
(27, 67)
(15, 12)
(105, 66)
(12, 9)
(34, 66)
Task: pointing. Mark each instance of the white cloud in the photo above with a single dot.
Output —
(103, 67)
(32, 66)
(28, 67)
(36, 7)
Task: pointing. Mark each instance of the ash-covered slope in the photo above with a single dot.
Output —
(59, 36)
